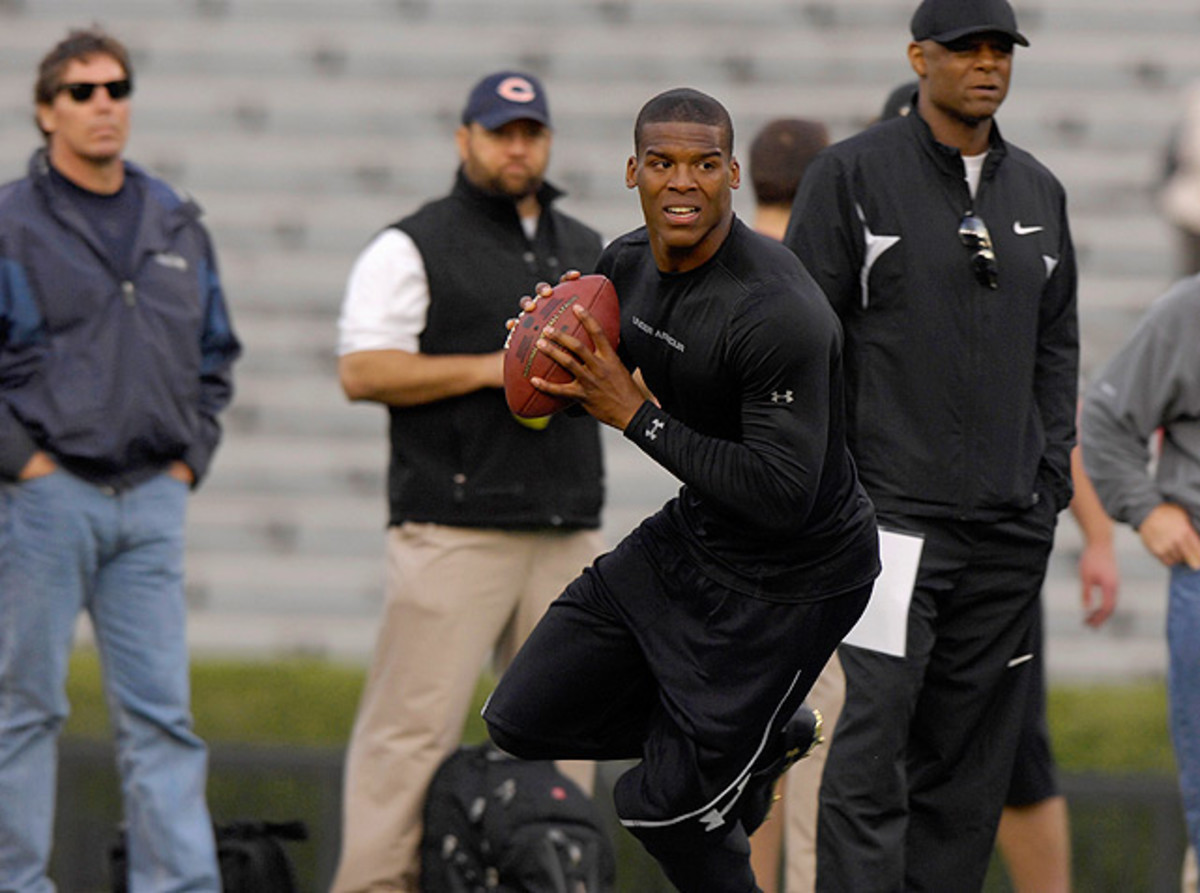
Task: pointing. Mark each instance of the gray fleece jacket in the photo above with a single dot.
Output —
(1152, 382)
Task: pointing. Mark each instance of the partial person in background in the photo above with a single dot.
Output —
(1152, 383)
(116, 356)
(1034, 835)
(779, 154)
(899, 102)
(480, 538)
(947, 255)
(1180, 195)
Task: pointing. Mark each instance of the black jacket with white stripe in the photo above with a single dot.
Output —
(961, 397)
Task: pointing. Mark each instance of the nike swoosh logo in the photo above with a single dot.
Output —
(1024, 658)
(1025, 230)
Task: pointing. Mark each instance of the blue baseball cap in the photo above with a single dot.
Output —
(506, 96)
(949, 20)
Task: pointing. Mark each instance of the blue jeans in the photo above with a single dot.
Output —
(67, 546)
(1183, 689)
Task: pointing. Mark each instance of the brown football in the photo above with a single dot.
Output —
(523, 360)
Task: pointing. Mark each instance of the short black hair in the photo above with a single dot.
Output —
(779, 155)
(683, 104)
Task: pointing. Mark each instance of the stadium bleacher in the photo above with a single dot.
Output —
(303, 126)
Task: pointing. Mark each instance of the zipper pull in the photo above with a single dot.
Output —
(129, 291)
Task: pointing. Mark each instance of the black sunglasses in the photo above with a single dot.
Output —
(973, 233)
(82, 92)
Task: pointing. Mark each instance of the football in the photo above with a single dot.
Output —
(523, 360)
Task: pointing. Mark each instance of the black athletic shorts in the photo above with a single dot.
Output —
(645, 656)
(1035, 777)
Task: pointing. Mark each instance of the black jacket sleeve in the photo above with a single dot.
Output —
(1056, 387)
(825, 232)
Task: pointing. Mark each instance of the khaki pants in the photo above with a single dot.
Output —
(804, 784)
(453, 596)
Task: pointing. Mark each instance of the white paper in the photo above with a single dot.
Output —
(883, 626)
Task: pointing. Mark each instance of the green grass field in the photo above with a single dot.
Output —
(1110, 729)
(1117, 731)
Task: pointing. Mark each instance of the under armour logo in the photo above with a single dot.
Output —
(656, 425)
(785, 397)
(715, 817)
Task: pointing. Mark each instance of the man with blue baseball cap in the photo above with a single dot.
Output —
(480, 539)
(504, 97)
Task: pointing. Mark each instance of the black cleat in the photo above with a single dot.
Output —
(798, 738)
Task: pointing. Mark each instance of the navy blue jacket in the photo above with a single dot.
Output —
(113, 375)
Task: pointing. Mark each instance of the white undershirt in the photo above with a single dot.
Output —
(974, 166)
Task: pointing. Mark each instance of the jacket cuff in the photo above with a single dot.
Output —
(197, 458)
(1139, 511)
(16, 449)
(647, 425)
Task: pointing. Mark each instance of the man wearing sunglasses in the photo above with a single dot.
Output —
(115, 361)
(946, 252)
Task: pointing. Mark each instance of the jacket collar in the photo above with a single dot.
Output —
(164, 210)
(39, 169)
(947, 158)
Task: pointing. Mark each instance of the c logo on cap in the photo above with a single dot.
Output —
(516, 89)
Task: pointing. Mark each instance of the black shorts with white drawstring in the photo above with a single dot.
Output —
(644, 656)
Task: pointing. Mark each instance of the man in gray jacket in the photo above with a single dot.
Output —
(1152, 383)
